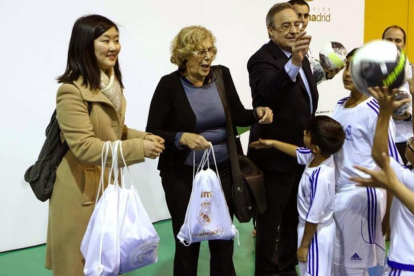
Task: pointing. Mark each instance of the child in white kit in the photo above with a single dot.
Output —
(359, 211)
(316, 194)
(398, 180)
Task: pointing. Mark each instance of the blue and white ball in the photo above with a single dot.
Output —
(379, 63)
(332, 56)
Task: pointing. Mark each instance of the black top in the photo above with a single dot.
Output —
(171, 112)
(271, 86)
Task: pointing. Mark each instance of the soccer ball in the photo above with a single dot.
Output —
(332, 56)
(402, 94)
(379, 63)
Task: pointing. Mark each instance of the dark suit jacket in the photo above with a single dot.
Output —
(271, 86)
(171, 112)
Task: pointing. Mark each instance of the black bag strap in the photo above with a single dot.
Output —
(90, 105)
(231, 143)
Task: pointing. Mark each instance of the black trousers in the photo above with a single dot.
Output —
(177, 187)
(278, 222)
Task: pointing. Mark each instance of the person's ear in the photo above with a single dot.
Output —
(315, 149)
(270, 31)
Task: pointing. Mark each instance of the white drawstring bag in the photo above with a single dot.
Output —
(100, 244)
(207, 216)
(138, 239)
(120, 236)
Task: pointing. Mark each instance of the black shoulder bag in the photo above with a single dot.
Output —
(42, 175)
(248, 180)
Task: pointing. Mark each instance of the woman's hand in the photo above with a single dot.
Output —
(154, 138)
(152, 149)
(194, 141)
(265, 115)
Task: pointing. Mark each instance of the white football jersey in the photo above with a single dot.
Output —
(401, 254)
(316, 193)
(359, 124)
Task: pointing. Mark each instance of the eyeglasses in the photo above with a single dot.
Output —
(289, 26)
(201, 54)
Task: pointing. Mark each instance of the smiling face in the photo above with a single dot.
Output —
(198, 66)
(107, 48)
(303, 15)
(285, 19)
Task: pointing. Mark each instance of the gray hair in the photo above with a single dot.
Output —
(274, 10)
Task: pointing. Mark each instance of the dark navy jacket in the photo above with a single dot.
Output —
(271, 86)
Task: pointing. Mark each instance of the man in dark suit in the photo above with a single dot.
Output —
(281, 78)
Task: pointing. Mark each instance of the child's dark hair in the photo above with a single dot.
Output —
(351, 53)
(326, 133)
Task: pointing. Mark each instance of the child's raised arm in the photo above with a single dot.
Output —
(281, 146)
(386, 178)
(388, 104)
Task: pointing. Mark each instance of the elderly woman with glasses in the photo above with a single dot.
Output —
(187, 111)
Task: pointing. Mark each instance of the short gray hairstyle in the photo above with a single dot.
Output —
(274, 10)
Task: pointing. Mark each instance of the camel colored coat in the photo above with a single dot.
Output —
(77, 177)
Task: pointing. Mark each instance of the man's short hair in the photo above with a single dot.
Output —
(326, 133)
(276, 8)
(395, 27)
(298, 2)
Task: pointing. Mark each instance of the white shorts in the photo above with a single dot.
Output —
(388, 271)
(320, 251)
(358, 215)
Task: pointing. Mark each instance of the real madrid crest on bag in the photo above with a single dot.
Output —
(138, 239)
(207, 216)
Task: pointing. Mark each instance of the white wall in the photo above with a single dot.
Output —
(33, 48)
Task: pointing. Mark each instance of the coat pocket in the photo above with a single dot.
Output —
(89, 191)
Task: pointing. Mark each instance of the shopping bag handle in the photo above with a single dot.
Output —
(114, 169)
(104, 157)
(123, 185)
(203, 161)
